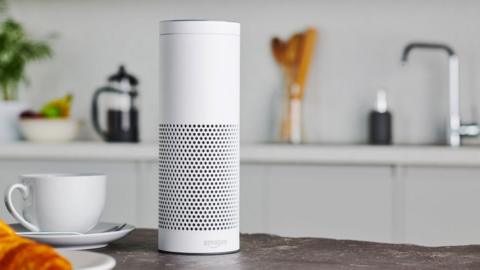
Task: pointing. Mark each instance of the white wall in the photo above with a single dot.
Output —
(359, 50)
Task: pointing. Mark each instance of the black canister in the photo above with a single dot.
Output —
(380, 122)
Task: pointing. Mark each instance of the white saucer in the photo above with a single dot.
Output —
(86, 260)
(95, 238)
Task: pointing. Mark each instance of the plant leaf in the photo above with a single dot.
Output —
(16, 51)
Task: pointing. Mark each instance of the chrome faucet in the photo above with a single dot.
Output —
(456, 129)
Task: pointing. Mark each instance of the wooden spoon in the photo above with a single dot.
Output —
(305, 58)
(291, 55)
(278, 50)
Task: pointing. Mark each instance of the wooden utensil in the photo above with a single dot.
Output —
(285, 55)
(291, 62)
(294, 57)
(278, 50)
(297, 90)
(305, 58)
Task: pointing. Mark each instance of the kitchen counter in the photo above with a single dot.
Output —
(257, 153)
(78, 151)
(395, 155)
(260, 251)
(397, 194)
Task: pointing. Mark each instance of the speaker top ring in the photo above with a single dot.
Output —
(174, 27)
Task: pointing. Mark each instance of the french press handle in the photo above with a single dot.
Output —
(98, 92)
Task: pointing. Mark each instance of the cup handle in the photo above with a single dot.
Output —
(9, 203)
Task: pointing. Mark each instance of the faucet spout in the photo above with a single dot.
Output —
(455, 129)
(425, 45)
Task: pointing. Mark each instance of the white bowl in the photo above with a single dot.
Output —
(49, 129)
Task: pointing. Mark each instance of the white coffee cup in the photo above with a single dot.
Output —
(59, 202)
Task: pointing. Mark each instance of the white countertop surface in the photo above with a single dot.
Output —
(257, 153)
(78, 151)
(362, 155)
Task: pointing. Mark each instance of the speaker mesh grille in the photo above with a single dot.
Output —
(198, 173)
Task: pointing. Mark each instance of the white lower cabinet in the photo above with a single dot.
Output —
(420, 205)
(442, 206)
(253, 202)
(329, 201)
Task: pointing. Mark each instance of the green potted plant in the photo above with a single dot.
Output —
(17, 50)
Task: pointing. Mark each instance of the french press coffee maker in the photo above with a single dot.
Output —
(121, 111)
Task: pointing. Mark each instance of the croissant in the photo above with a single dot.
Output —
(17, 253)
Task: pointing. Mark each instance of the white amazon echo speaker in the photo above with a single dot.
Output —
(199, 137)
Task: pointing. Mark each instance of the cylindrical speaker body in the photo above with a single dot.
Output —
(199, 137)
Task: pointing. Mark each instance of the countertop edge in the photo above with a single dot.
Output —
(257, 153)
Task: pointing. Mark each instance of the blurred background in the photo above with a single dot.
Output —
(416, 189)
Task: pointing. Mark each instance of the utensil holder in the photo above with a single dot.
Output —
(292, 118)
